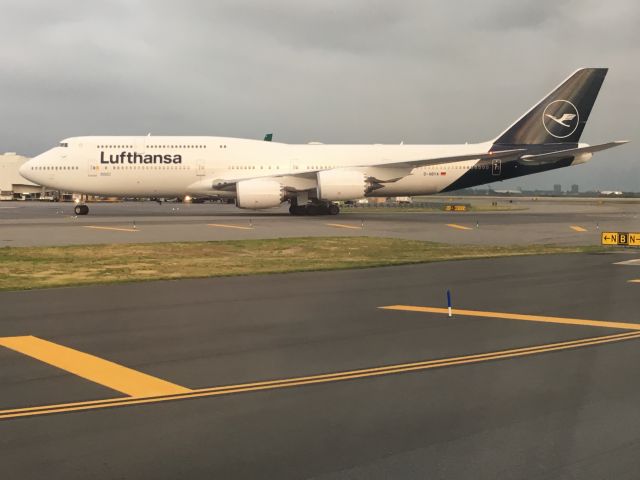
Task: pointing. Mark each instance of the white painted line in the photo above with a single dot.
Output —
(635, 262)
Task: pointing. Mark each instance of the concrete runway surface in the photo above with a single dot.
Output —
(305, 376)
(575, 222)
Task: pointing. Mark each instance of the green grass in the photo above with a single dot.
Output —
(42, 267)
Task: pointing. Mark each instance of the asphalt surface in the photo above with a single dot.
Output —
(560, 414)
(525, 221)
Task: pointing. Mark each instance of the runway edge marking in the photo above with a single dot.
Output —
(515, 316)
(92, 368)
(321, 378)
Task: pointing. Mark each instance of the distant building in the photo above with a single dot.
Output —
(575, 189)
(557, 189)
(11, 182)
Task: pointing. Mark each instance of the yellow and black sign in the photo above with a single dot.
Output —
(455, 208)
(629, 239)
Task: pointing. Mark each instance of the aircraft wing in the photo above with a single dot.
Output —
(570, 152)
(381, 172)
(455, 158)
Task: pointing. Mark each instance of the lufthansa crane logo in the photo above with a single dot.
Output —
(560, 118)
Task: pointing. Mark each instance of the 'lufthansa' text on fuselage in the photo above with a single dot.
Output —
(138, 158)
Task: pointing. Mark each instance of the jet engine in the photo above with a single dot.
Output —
(341, 185)
(259, 193)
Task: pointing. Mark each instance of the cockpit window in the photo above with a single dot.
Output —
(63, 144)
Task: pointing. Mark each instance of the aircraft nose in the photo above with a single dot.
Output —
(27, 170)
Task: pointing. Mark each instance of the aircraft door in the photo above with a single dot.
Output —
(93, 158)
(496, 167)
(200, 164)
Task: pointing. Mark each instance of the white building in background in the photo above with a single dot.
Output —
(11, 182)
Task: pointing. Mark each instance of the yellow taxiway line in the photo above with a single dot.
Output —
(342, 225)
(95, 369)
(117, 229)
(322, 378)
(578, 228)
(637, 280)
(516, 316)
(223, 225)
(459, 227)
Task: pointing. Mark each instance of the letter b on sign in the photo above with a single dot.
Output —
(622, 238)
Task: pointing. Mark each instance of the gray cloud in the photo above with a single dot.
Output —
(333, 71)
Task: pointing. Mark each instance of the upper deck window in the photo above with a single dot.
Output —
(63, 144)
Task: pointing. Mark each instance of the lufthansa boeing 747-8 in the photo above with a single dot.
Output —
(312, 177)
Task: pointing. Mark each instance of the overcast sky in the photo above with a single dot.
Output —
(334, 71)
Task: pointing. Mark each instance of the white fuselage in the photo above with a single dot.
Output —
(176, 166)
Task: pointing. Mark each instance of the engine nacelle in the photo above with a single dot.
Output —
(341, 185)
(259, 193)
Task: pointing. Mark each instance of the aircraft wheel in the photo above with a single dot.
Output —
(81, 210)
(334, 209)
(298, 210)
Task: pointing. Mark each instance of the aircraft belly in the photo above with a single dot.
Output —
(420, 182)
(116, 185)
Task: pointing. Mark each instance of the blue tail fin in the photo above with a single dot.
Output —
(561, 116)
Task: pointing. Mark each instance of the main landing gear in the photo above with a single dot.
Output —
(81, 209)
(327, 208)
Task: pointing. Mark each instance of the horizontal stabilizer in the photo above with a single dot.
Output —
(569, 152)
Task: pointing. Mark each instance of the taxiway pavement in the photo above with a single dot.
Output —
(527, 221)
(556, 413)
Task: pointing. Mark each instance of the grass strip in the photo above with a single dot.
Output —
(42, 267)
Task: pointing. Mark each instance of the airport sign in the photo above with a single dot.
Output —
(628, 239)
(455, 208)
